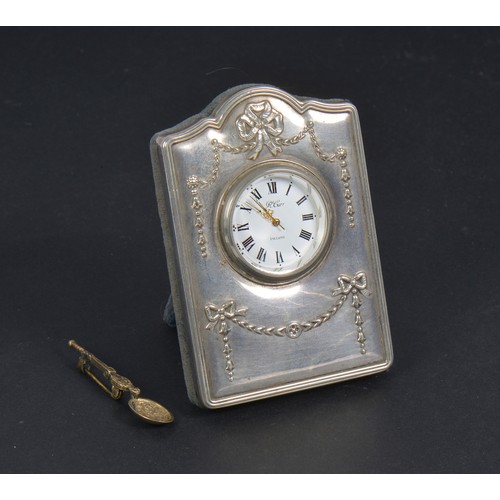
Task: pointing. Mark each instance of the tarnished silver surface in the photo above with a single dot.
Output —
(243, 340)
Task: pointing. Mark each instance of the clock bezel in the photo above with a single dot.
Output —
(229, 199)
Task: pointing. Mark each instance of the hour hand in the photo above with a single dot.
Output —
(266, 213)
(254, 207)
(269, 214)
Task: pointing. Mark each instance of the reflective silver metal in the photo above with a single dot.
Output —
(243, 338)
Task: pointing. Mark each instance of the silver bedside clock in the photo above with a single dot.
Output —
(271, 246)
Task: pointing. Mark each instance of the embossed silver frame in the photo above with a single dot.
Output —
(241, 340)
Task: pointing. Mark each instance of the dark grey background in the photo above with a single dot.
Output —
(81, 252)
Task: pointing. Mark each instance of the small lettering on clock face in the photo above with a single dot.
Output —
(274, 204)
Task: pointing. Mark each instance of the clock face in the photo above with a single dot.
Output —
(276, 222)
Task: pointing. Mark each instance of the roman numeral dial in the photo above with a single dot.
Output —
(272, 187)
(255, 193)
(305, 234)
(249, 243)
(279, 219)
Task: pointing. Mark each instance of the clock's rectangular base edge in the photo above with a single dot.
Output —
(331, 379)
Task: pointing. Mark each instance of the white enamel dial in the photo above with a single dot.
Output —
(278, 222)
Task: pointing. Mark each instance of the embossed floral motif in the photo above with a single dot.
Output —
(193, 182)
(341, 153)
(262, 124)
(293, 330)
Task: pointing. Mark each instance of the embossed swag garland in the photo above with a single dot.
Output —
(219, 316)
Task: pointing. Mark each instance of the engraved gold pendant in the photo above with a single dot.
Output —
(271, 247)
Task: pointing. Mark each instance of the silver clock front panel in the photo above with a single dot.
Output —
(243, 340)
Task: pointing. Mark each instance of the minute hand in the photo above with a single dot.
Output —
(276, 222)
(266, 214)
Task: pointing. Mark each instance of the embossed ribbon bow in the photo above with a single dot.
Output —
(349, 284)
(218, 315)
(262, 123)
